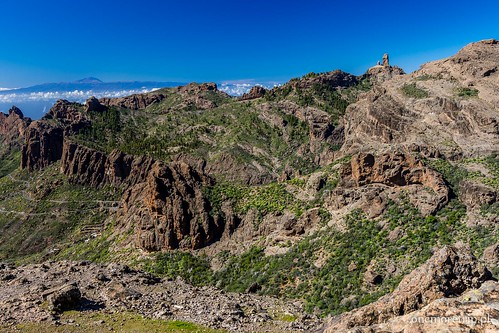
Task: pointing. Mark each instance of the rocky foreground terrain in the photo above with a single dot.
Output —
(41, 292)
(368, 200)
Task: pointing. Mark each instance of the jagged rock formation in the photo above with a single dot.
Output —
(441, 118)
(336, 78)
(44, 138)
(169, 210)
(93, 105)
(475, 195)
(12, 128)
(384, 71)
(255, 92)
(449, 272)
(133, 102)
(371, 180)
(474, 311)
(195, 88)
(386, 62)
(43, 145)
(447, 109)
(164, 204)
(88, 166)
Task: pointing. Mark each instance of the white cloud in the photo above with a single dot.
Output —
(239, 88)
(75, 95)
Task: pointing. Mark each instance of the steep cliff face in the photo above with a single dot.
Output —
(12, 127)
(169, 210)
(163, 204)
(448, 107)
(88, 166)
(371, 181)
(44, 138)
(43, 145)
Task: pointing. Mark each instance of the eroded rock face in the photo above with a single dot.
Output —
(68, 115)
(88, 166)
(163, 203)
(43, 145)
(133, 102)
(449, 272)
(194, 88)
(474, 194)
(169, 209)
(255, 92)
(12, 128)
(44, 139)
(93, 105)
(367, 176)
(433, 113)
(336, 78)
(475, 311)
(491, 255)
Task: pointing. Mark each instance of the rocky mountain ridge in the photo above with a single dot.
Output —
(358, 179)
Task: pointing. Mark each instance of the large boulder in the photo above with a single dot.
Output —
(448, 273)
(64, 298)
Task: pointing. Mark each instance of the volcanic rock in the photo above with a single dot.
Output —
(64, 298)
(133, 102)
(255, 92)
(43, 145)
(449, 272)
(93, 105)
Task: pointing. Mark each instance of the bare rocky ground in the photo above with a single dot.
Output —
(41, 293)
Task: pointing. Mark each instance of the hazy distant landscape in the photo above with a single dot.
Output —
(36, 100)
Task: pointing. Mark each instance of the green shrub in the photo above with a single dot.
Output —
(411, 90)
(193, 269)
(467, 92)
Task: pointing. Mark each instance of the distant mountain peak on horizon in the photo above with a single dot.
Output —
(89, 80)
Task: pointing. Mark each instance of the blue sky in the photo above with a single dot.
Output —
(52, 41)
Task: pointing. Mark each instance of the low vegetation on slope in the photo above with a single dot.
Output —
(335, 271)
(274, 157)
(266, 133)
(41, 212)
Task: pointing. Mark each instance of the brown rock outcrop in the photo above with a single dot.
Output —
(386, 62)
(12, 128)
(474, 194)
(88, 166)
(169, 209)
(68, 114)
(475, 311)
(93, 105)
(394, 170)
(133, 102)
(44, 138)
(491, 255)
(255, 92)
(336, 78)
(449, 272)
(195, 88)
(43, 145)
(200, 96)
(165, 204)
(450, 106)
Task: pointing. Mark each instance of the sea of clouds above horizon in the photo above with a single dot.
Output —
(35, 104)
